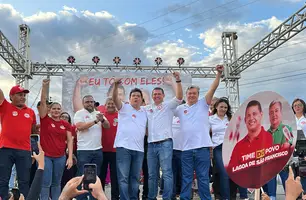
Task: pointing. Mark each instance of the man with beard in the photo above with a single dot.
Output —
(89, 124)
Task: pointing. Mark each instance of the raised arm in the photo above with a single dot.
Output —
(77, 97)
(209, 95)
(43, 108)
(178, 88)
(1, 97)
(117, 101)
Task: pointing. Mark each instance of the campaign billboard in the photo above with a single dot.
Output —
(259, 140)
(78, 84)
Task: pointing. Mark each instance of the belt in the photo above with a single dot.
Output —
(158, 142)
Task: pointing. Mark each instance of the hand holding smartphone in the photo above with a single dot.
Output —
(90, 175)
(34, 143)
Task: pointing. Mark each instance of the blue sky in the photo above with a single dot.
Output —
(83, 28)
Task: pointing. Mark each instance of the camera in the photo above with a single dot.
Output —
(300, 154)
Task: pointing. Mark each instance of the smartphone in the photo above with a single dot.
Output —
(34, 146)
(90, 175)
(15, 193)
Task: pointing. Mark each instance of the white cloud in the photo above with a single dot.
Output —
(260, 76)
(55, 36)
(102, 14)
(170, 51)
(126, 24)
(180, 41)
(211, 38)
(40, 17)
(84, 34)
(66, 8)
(188, 29)
(10, 8)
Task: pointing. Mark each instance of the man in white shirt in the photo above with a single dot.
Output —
(129, 142)
(195, 130)
(89, 124)
(160, 145)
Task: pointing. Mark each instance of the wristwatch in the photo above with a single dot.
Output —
(96, 121)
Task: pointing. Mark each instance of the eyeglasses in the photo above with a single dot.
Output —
(224, 98)
(298, 105)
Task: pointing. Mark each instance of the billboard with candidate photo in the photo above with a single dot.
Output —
(259, 140)
(99, 85)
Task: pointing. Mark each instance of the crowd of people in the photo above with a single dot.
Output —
(178, 137)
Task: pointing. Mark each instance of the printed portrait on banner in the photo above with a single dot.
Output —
(100, 86)
(259, 140)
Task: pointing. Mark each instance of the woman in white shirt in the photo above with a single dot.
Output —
(299, 109)
(221, 115)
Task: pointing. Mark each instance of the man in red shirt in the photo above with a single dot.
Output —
(109, 152)
(17, 122)
(251, 149)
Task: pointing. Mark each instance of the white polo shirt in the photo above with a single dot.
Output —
(218, 127)
(194, 125)
(177, 136)
(301, 124)
(89, 139)
(160, 119)
(131, 128)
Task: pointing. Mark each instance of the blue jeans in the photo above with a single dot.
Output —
(284, 176)
(129, 164)
(270, 188)
(53, 172)
(22, 160)
(160, 152)
(86, 157)
(13, 178)
(198, 160)
(303, 182)
(224, 179)
(177, 172)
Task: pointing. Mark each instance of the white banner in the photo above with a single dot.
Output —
(78, 84)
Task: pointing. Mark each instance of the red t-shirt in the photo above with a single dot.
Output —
(53, 136)
(101, 108)
(109, 134)
(251, 176)
(16, 126)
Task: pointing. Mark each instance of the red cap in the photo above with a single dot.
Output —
(18, 89)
